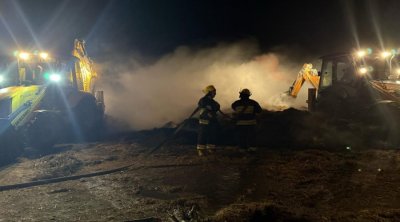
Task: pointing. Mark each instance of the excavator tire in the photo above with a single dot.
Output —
(45, 130)
(89, 119)
(331, 104)
(337, 101)
(11, 146)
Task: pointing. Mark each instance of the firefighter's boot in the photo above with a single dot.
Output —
(201, 150)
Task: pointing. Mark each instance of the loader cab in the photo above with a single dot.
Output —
(336, 68)
(348, 69)
(35, 70)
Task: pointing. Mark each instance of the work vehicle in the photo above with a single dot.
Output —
(45, 100)
(361, 86)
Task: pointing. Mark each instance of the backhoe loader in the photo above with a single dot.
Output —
(361, 86)
(45, 100)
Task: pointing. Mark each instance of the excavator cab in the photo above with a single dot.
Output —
(41, 69)
(351, 82)
(337, 68)
(339, 86)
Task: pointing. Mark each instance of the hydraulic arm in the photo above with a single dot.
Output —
(307, 73)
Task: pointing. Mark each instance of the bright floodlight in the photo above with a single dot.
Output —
(361, 53)
(44, 55)
(1, 78)
(24, 55)
(55, 77)
(398, 71)
(385, 54)
(363, 70)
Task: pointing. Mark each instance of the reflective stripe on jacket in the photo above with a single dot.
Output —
(245, 111)
(204, 121)
(208, 110)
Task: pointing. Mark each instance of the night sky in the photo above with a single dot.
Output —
(154, 28)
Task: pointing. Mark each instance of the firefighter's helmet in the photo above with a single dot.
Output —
(209, 89)
(245, 92)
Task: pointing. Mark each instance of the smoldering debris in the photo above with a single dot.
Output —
(287, 129)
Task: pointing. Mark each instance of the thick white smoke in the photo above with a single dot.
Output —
(147, 96)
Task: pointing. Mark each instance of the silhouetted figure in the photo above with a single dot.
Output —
(208, 121)
(245, 116)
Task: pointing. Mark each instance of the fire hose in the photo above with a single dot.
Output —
(99, 173)
(77, 177)
(178, 128)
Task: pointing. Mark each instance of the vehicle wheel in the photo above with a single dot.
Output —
(336, 101)
(11, 146)
(45, 130)
(331, 104)
(89, 119)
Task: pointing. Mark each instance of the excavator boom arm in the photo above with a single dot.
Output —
(84, 68)
(307, 73)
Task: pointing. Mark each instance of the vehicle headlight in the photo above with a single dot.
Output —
(44, 55)
(385, 54)
(361, 53)
(55, 77)
(363, 70)
(24, 56)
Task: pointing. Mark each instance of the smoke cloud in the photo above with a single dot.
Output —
(147, 96)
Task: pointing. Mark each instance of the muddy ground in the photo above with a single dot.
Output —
(278, 182)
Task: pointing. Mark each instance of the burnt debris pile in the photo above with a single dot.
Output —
(287, 129)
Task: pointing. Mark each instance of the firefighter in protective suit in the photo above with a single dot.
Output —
(208, 121)
(245, 116)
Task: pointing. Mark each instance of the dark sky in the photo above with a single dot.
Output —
(153, 28)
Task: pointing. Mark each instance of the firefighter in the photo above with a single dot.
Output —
(208, 121)
(245, 110)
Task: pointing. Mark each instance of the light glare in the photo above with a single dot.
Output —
(44, 55)
(363, 70)
(24, 55)
(55, 77)
(4, 90)
(361, 53)
(385, 54)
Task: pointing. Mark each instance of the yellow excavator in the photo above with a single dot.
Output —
(359, 79)
(306, 74)
(45, 100)
(362, 86)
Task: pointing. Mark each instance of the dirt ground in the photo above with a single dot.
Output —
(175, 184)
(307, 168)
